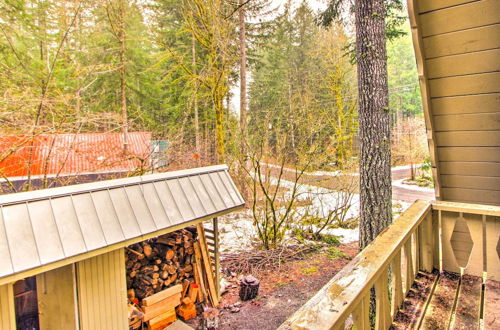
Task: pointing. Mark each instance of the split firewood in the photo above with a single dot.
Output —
(147, 250)
(169, 254)
(159, 263)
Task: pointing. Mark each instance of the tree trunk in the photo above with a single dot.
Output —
(195, 101)
(243, 97)
(374, 120)
(123, 59)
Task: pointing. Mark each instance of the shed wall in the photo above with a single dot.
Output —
(7, 309)
(56, 293)
(102, 292)
(457, 43)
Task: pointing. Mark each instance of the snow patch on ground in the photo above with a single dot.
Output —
(237, 232)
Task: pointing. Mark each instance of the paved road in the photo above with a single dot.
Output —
(406, 192)
(401, 192)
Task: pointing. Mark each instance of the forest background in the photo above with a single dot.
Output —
(172, 67)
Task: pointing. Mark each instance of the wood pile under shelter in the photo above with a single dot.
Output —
(168, 275)
(78, 248)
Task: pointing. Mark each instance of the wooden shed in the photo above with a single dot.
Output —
(70, 240)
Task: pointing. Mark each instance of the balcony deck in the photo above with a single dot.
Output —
(436, 267)
(450, 301)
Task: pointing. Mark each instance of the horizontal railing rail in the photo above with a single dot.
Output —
(425, 237)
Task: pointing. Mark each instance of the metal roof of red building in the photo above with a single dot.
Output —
(72, 153)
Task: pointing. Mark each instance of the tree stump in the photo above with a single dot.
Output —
(249, 288)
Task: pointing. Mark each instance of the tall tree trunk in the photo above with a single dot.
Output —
(243, 96)
(374, 120)
(123, 59)
(218, 99)
(195, 101)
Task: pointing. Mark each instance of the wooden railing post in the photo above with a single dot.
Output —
(397, 284)
(425, 244)
(383, 306)
(361, 314)
(409, 274)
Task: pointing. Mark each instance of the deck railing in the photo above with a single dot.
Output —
(445, 236)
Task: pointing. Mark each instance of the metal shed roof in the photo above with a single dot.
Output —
(43, 227)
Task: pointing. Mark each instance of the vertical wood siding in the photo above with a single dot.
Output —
(56, 293)
(102, 291)
(7, 310)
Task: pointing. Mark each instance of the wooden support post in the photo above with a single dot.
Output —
(7, 309)
(217, 256)
(397, 284)
(361, 314)
(409, 274)
(425, 244)
(383, 306)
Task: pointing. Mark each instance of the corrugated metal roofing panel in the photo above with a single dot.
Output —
(22, 245)
(110, 225)
(6, 267)
(41, 227)
(72, 153)
(45, 231)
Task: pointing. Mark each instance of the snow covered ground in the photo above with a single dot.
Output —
(237, 232)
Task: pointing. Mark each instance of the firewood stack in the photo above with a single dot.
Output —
(159, 263)
(169, 271)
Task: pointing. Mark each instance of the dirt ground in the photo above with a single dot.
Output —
(283, 290)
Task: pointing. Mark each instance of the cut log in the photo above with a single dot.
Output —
(169, 254)
(147, 250)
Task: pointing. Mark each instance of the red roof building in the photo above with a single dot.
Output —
(63, 154)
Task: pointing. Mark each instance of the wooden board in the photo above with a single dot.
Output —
(469, 154)
(162, 320)
(160, 307)
(468, 122)
(489, 169)
(492, 246)
(480, 83)
(470, 15)
(415, 302)
(207, 265)
(467, 311)
(491, 303)
(467, 41)
(164, 294)
(482, 103)
(470, 63)
(472, 182)
(7, 308)
(468, 139)
(428, 5)
(471, 195)
(440, 307)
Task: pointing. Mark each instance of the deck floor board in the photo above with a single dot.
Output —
(455, 303)
(468, 308)
(492, 305)
(411, 310)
